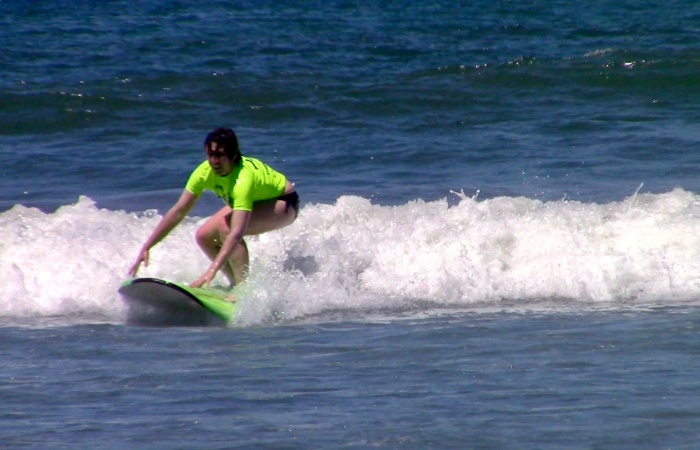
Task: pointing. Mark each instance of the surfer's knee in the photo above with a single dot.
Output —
(202, 234)
(212, 230)
(207, 235)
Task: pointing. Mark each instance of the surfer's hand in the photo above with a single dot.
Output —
(203, 280)
(142, 258)
(199, 282)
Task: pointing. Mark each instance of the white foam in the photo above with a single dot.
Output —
(354, 256)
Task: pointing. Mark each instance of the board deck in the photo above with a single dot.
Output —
(153, 301)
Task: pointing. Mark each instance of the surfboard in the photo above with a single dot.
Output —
(153, 301)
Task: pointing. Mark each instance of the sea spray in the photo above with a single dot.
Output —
(357, 257)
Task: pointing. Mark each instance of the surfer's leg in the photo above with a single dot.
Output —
(266, 216)
(270, 215)
(210, 237)
(239, 262)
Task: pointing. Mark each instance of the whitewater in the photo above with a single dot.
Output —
(353, 256)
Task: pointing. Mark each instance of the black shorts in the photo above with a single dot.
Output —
(291, 199)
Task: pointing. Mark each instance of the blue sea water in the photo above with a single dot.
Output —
(498, 245)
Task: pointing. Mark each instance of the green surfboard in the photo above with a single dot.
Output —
(153, 301)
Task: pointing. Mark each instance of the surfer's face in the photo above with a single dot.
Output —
(219, 162)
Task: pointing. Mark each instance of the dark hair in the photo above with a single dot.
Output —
(226, 139)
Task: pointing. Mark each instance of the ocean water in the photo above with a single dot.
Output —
(498, 245)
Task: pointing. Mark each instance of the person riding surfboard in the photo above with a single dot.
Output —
(258, 199)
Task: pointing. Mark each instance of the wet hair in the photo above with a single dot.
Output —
(226, 139)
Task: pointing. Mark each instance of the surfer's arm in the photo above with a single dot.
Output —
(169, 221)
(239, 225)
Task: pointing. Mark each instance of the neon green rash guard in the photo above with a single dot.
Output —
(249, 182)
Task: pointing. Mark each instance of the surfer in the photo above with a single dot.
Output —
(258, 199)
